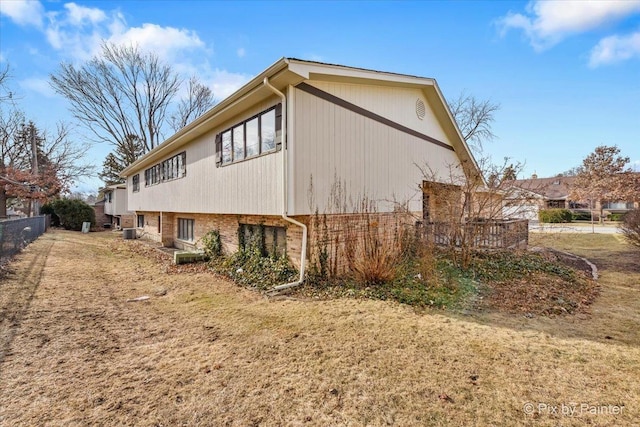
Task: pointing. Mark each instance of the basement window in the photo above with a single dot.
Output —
(140, 221)
(185, 229)
(270, 241)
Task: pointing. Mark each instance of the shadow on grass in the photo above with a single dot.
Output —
(17, 292)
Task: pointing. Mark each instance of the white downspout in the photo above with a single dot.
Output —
(285, 189)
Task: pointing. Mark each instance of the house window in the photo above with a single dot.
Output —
(172, 168)
(185, 229)
(271, 241)
(268, 131)
(556, 204)
(136, 183)
(238, 142)
(252, 137)
(226, 147)
(140, 221)
(109, 197)
(617, 205)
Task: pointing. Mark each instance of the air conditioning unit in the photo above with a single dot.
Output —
(129, 233)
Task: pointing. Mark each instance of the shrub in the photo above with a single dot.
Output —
(630, 227)
(617, 216)
(47, 209)
(373, 251)
(581, 216)
(212, 244)
(249, 267)
(554, 215)
(73, 213)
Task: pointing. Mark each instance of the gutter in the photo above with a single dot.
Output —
(285, 176)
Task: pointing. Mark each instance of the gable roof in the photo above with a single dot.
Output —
(291, 71)
(554, 188)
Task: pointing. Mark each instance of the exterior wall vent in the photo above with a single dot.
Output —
(420, 109)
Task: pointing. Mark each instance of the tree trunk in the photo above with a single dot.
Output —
(3, 203)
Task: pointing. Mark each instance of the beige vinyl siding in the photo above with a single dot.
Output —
(118, 204)
(253, 185)
(394, 103)
(371, 159)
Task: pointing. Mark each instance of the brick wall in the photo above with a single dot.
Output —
(226, 224)
(127, 221)
(101, 217)
(339, 233)
(340, 229)
(150, 229)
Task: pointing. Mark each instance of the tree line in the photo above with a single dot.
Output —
(124, 97)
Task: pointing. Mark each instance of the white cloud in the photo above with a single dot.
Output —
(40, 86)
(166, 42)
(614, 49)
(548, 22)
(80, 15)
(76, 32)
(223, 83)
(23, 12)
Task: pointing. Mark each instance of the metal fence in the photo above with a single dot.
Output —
(15, 234)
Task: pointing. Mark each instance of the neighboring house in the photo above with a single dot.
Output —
(101, 217)
(115, 206)
(521, 203)
(553, 193)
(302, 137)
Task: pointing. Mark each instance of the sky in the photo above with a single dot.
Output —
(566, 74)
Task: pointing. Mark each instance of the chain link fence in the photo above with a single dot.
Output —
(16, 234)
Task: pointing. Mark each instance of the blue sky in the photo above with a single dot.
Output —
(565, 73)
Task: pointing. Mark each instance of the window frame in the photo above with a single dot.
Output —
(227, 156)
(269, 247)
(170, 169)
(186, 225)
(140, 219)
(135, 181)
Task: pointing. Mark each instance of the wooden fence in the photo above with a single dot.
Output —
(481, 234)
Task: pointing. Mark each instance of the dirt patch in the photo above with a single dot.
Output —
(574, 261)
(541, 295)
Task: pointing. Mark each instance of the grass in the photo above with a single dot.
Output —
(202, 351)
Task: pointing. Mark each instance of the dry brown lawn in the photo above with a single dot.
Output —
(204, 352)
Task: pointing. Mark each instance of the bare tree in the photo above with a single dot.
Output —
(603, 176)
(59, 161)
(630, 227)
(64, 157)
(119, 93)
(199, 99)
(459, 208)
(12, 150)
(474, 118)
(5, 93)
